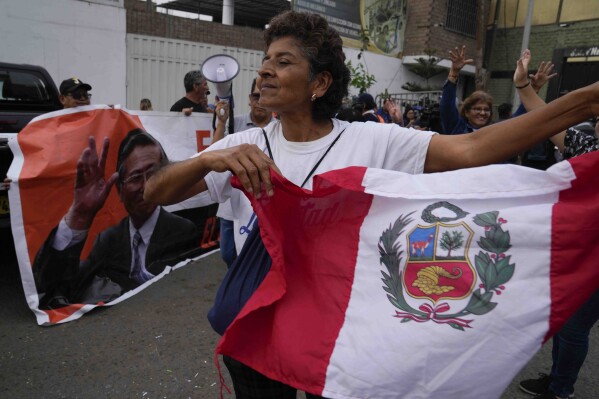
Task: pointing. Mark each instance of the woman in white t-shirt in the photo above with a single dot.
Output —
(303, 78)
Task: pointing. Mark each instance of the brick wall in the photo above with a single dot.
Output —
(542, 43)
(148, 22)
(421, 32)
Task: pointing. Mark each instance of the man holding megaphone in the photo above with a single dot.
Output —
(196, 94)
(196, 100)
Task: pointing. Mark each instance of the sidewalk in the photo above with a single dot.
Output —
(157, 344)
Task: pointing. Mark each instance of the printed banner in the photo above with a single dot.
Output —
(389, 285)
(66, 271)
(382, 21)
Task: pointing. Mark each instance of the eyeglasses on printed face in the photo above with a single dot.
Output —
(78, 95)
(135, 181)
(254, 96)
(480, 110)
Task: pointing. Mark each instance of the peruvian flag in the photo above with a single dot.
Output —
(390, 285)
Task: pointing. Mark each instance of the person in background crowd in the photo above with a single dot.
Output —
(504, 111)
(571, 344)
(125, 255)
(145, 104)
(391, 112)
(74, 93)
(303, 77)
(256, 117)
(366, 101)
(477, 109)
(351, 113)
(196, 100)
(196, 94)
(411, 119)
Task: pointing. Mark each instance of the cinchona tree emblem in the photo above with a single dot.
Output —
(434, 267)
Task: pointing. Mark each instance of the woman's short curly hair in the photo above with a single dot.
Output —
(476, 97)
(323, 47)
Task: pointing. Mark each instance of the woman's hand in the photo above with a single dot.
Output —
(248, 163)
(521, 72)
(544, 73)
(395, 111)
(458, 59)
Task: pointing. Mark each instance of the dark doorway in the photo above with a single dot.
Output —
(577, 74)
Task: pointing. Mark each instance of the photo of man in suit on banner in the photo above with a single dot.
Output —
(124, 256)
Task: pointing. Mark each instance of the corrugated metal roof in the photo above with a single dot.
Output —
(254, 13)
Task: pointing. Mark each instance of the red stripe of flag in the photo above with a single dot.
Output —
(575, 239)
(278, 320)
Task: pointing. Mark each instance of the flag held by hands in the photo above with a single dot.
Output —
(389, 285)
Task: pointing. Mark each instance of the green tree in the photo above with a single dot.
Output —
(425, 68)
(360, 78)
(451, 241)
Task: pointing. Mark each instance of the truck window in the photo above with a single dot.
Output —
(22, 88)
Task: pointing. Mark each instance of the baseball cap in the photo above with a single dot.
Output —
(72, 84)
(367, 100)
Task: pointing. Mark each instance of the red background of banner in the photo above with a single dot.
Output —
(51, 148)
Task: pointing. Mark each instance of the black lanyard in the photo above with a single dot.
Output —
(317, 163)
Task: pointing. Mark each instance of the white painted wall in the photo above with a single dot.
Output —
(68, 38)
(390, 73)
(156, 67)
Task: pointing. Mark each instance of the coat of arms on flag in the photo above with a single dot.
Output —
(437, 273)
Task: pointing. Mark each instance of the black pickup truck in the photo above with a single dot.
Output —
(26, 91)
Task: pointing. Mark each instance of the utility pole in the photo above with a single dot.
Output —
(525, 39)
(481, 30)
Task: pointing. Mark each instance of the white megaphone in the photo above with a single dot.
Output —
(220, 69)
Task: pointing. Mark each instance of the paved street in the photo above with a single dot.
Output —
(157, 344)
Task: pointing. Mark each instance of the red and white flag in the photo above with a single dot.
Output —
(389, 285)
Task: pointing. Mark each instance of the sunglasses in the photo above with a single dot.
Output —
(80, 95)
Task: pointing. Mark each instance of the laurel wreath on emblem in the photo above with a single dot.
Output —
(492, 266)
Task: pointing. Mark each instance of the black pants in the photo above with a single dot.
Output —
(250, 384)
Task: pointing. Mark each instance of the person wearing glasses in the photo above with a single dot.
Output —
(477, 109)
(74, 93)
(125, 255)
(233, 227)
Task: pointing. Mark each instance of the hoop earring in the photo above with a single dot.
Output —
(313, 98)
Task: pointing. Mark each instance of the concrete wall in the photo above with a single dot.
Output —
(69, 38)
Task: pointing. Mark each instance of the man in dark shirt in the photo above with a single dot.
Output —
(196, 92)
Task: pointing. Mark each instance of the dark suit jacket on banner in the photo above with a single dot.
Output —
(62, 279)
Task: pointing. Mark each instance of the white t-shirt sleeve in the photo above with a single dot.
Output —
(407, 149)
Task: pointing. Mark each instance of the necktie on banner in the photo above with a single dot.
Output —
(138, 272)
(389, 285)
